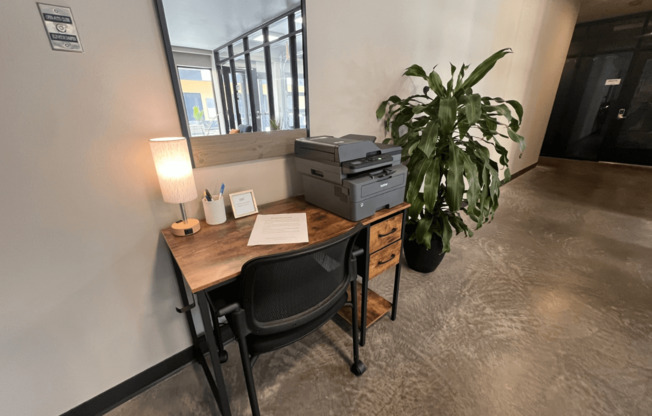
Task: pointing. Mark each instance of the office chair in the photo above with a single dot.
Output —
(283, 297)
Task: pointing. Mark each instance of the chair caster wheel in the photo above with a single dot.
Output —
(358, 368)
(224, 356)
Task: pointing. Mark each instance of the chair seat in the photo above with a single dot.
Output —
(261, 344)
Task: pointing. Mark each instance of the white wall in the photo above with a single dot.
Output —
(357, 63)
(88, 294)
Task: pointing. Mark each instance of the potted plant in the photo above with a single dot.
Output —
(447, 134)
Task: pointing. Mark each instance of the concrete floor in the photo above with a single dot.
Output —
(545, 311)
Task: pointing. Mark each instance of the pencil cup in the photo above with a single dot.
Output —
(214, 210)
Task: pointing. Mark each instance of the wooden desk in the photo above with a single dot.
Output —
(215, 255)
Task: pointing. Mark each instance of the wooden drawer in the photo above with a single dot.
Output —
(385, 233)
(384, 259)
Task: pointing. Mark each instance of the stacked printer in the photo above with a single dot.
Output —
(350, 176)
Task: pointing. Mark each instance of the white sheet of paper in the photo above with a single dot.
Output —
(279, 229)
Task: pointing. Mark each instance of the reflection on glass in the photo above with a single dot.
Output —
(227, 88)
(282, 78)
(199, 101)
(242, 95)
(238, 48)
(601, 91)
(256, 88)
(636, 132)
(256, 39)
(278, 29)
(223, 54)
(298, 20)
(261, 93)
(302, 88)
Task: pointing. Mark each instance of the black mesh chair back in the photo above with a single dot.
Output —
(288, 290)
(284, 297)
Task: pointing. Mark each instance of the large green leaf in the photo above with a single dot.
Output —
(473, 190)
(415, 178)
(474, 108)
(416, 209)
(415, 71)
(446, 235)
(481, 70)
(429, 137)
(447, 114)
(431, 185)
(517, 138)
(517, 107)
(423, 233)
(434, 81)
(454, 178)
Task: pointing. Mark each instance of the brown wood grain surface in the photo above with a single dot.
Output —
(384, 213)
(384, 259)
(385, 233)
(377, 307)
(229, 148)
(217, 252)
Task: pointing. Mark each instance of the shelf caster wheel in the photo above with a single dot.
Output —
(358, 368)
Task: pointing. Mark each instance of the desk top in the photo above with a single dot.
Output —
(217, 252)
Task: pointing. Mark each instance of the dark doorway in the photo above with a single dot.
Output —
(629, 138)
(603, 107)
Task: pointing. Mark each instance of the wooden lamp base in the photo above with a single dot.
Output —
(189, 227)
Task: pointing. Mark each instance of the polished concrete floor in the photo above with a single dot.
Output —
(545, 311)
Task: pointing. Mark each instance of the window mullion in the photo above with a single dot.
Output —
(268, 70)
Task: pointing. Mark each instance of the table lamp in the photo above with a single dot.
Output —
(174, 171)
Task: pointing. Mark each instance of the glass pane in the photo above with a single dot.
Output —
(636, 132)
(646, 39)
(601, 90)
(302, 87)
(242, 94)
(259, 75)
(222, 54)
(621, 34)
(298, 20)
(228, 89)
(282, 78)
(278, 29)
(199, 101)
(238, 47)
(256, 39)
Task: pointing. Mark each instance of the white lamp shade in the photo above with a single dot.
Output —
(174, 169)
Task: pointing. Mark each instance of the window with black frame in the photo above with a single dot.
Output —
(260, 77)
(200, 108)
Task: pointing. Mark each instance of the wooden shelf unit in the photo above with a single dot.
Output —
(377, 307)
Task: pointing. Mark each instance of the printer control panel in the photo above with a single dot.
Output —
(364, 164)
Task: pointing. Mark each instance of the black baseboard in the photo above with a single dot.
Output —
(524, 170)
(124, 391)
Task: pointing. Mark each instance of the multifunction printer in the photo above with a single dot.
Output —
(351, 176)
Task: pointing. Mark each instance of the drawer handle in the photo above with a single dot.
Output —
(387, 261)
(391, 232)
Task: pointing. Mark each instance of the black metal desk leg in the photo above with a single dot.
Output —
(223, 398)
(397, 279)
(363, 307)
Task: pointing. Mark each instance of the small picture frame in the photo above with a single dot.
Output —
(243, 203)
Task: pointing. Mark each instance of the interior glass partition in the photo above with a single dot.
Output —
(262, 76)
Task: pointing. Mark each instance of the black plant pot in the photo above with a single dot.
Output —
(417, 256)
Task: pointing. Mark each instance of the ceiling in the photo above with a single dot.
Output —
(207, 24)
(591, 10)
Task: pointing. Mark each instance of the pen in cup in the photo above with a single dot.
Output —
(221, 192)
(208, 195)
